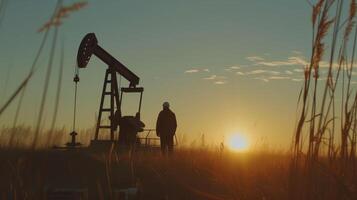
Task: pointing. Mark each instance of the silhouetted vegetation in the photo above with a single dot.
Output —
(326, 160)
(320, 165)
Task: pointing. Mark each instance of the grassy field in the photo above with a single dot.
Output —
(188, 174)
(191, 173)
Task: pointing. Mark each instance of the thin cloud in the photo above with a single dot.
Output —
(298, 70)
(220, 82)
(279, 78)
(213, 77)
(325, 64)
(291, 61)
(231, 68)
(254, 58)
(221, 77)
(288, 72)
(296, 60)
(296, 52)
(240, 73)
(262, 79)
(216, 79)
(190, 71)
(297, 79)
(260, 71)
(235, 67)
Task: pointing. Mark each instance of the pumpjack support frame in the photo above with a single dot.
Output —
(111, 80)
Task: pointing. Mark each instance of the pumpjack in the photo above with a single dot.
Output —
(88, 47)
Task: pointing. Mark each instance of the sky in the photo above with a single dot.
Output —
(230, 66)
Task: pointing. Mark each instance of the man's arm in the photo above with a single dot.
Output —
(158, 123)
(175, 123)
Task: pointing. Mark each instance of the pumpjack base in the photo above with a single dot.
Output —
(102, 144)
(106, 145)
(69, 147)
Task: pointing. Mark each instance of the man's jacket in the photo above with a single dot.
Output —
(166, 123)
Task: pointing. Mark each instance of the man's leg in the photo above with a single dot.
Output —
(170, 144)
(163, 144)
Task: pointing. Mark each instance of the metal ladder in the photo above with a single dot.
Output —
(110, 79)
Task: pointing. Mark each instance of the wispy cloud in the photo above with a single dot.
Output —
(210, 77)
(297, 79)
(298, 70)
(296, 52)
(220, 82)
(296, 60)
(279, 78)
(260, 68)
(288, 72)
(190, 71)
(327, 64)
(215, 77)
(261, 71)
(254, 58)
(240, 73)
(196, 70)
(217, 80)
(261, 79)
(232, 68)
(235, 67)
(291, 61)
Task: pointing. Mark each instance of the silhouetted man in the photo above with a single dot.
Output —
(165, 128)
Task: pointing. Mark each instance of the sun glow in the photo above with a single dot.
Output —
(237, 142)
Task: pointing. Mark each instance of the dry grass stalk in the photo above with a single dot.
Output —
(322, 123)
(58, 92)
(23, 84)
(62, 12)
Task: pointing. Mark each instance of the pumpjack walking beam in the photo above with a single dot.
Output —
(89, 46)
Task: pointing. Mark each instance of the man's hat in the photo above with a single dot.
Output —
(166, 105)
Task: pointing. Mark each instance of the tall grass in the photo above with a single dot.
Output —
(55, 21)
(319, 113)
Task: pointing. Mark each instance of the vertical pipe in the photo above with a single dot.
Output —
(45, 89)
(141, 97)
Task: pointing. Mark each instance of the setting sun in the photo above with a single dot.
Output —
(237, 142)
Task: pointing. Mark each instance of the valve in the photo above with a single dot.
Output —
(76, 78)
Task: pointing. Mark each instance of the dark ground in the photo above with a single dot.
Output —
(29, 175)
(189, 174)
